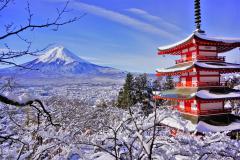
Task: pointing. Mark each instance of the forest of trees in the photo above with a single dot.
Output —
(138, 89)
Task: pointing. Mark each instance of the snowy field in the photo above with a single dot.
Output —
(92, 128)
(89, 93)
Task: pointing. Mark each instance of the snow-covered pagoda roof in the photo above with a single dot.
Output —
(189, 66)
(200, 93)
(222, 44)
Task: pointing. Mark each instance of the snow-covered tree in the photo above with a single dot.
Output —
(22, 117)
(140, 137)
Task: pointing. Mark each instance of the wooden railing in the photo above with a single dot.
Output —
(200, 84)
(204, 112)
(202, 58)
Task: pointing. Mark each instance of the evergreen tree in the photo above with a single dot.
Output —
(120, 98)
(140, 88)
(126, 97)
(169, 84)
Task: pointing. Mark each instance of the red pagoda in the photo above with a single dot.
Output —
(200, 93)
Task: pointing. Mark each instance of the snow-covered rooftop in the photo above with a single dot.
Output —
(201, 36)
(209, 65)
(206, 94)
(210, 93)
(201, 126)
(175, 44)
(176, 68)
(205, 127)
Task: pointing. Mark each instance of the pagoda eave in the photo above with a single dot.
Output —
(222, 45)
(199, 66)
(195, 98)
(158, 97)
(202, 94)
(176, 73)
(205, 113)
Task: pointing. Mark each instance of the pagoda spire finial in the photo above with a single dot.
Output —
(197, 10)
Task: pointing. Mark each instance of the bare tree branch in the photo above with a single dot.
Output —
(7, 56)
(55, 23)
(6, 100)
(4, 4)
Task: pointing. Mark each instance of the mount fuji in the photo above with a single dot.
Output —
(59, 61)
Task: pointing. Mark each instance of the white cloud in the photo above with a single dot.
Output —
(162, 22)
(122, 19)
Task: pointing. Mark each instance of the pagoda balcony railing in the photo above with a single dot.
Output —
(202, 58)
(204, 112)
(200, 84)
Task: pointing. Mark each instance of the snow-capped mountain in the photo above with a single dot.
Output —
(59, 54)
(57, 60)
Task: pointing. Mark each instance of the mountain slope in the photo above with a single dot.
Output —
(59, 61)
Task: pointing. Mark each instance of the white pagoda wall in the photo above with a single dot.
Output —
(205, 76)
(210, 106)
(208, 73)
(209, 79)
(183, 80)
(207, 53)
(209, 48)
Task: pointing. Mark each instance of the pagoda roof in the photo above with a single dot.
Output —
(222, 44)
(199, 93)
(222, 67)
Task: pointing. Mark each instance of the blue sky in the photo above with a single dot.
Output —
(124, 34)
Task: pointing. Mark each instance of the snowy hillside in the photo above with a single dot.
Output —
(57, 60)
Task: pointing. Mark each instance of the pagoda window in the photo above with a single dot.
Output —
(183, 81)
(192, 48)
(184, 57)
(185, 50)
(209, 48)
(181, 105)
(194, 55)
(194, 106)
(192, 73)
(194, 81)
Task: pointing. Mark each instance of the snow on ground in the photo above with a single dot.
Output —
(181, 125)
(102, 156)
(73, 108)
(89, 93)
